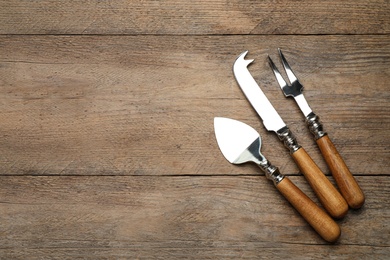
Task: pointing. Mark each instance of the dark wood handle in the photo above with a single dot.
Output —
(328, 195)
(347, 184)
(325, 226)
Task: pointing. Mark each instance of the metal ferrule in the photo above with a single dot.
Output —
(315, 127)
(289, 140)
(271, 172)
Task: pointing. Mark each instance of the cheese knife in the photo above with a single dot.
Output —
(327, 194)
(240, 143)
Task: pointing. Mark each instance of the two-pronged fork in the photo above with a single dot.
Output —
(347, 184)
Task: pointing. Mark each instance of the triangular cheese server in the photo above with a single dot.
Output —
(240, 143)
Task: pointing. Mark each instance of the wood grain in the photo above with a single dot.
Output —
(187, 17)
(144, 105)
(106, 135)
(326, 192)
(171, 217)
(318, 219)
(346, 183)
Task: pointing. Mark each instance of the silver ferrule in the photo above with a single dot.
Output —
(315, 126)
(271, 172)
(289, 140)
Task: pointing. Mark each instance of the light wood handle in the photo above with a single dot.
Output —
(347, 184)
(328, 195)
(325, 226)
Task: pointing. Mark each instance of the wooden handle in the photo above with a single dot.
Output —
(328, 195)
(325, 226)
(347, 184)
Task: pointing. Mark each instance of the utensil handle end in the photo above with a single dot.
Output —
(325, 226)
(347, 184)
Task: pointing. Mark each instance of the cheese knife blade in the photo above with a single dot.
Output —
(271, 119)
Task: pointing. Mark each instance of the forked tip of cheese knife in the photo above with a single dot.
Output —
(241, 61)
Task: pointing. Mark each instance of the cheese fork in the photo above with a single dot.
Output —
(347, 184)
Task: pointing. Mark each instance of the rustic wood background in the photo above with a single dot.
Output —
(106, 135)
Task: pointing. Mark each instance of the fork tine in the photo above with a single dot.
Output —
(290, 74)
(279, 78)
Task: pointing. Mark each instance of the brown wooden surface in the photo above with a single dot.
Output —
(176, 217)
(107, 142)
(188, 17)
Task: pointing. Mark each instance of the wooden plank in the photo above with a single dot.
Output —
(189, 17)
(144, 105)
(177, 217)
(110, 127)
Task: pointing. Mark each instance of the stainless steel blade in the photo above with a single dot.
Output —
(234, 138)
(240, 143)
(303, 105)
(271, 119)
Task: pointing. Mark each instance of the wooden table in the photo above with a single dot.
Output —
(107, 140)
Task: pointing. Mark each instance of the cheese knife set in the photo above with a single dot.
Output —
(240, 143)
